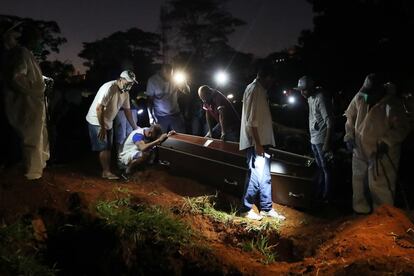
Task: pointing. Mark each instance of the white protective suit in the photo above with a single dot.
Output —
(25, 108)
(383, 122)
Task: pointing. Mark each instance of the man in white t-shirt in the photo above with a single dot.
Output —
(139, 144)
(108, 101)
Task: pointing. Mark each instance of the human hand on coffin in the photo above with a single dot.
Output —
(162, 138)
(171, 132)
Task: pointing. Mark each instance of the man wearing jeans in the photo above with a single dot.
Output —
(256, 133)
(320, 129)
(163, 96)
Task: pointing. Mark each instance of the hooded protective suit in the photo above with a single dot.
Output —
(369, 126)
(25, 108)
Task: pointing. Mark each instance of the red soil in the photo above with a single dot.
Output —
(343, 245)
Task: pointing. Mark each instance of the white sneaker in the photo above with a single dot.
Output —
(272, 214)
(251, 215)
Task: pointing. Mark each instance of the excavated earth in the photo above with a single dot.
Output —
(321, 242)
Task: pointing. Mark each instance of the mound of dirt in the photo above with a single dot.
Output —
(373, 235)
(308, 244)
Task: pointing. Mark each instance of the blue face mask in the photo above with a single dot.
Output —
(371, 99)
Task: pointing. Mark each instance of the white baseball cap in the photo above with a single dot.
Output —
(129, 76)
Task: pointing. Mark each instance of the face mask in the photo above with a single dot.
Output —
(365, 97)
(371, 99)
(127, 87)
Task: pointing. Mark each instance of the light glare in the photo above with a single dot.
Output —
(221, 78)
(179, 77)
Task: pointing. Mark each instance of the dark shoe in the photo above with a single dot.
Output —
(125, 176)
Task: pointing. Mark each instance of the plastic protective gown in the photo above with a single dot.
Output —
(368, 127)
(25, 108)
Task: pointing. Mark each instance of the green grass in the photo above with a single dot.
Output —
(261, 245)
(143, 223)
(205, 205)
(19, 252)
(254, 235)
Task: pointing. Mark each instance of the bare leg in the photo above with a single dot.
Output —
(105, 159)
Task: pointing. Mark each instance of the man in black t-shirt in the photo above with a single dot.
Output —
(218, 107)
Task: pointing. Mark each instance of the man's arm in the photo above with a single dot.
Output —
(20, 79)
(151, 113)
(221, 110)
(185, 88)
(326, 113)
(257, 143)
(128, 115)
(351, 114)
(142, 146)
(208, 120)
(100, 111)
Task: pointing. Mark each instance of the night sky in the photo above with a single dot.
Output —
(271, 24)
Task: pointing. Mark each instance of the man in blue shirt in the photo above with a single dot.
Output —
(163, 100)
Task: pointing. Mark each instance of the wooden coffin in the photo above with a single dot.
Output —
(222, 165)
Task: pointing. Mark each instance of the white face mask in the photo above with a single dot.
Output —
(127, 87)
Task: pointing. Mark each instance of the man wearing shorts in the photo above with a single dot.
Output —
(108, 101)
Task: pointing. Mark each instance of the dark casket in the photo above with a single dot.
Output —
(222, 165)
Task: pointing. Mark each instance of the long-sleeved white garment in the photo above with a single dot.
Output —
(25, 108)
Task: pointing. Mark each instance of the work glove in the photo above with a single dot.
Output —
(350, 145)
(382, 149)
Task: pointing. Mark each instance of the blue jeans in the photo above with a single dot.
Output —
(258, 186)
(172, 122)
(122, 127)
(324, 177)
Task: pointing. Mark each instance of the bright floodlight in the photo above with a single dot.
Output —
(291, 100)
(221, 78)
(180, 77)
(139, 112)
(230, 96)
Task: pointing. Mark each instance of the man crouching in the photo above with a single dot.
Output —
(138, 146)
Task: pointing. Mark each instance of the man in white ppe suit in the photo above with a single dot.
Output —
(375, 128)
(24, 101)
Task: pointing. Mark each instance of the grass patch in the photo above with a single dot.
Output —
(255, 236)
(20, 253)
(205, 205)
(143, 223)
(153, 240)
(261, 245)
